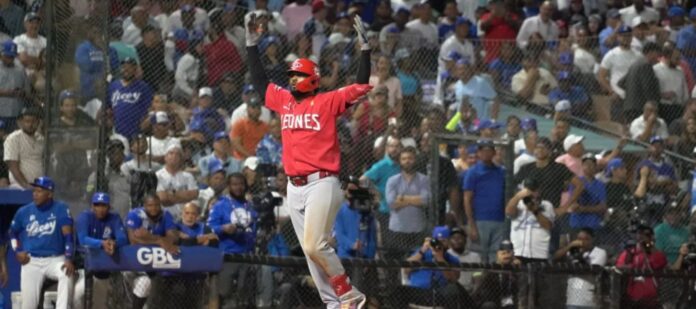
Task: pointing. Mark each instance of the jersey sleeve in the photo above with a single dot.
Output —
(339, 100)
(133, 221)
(65, 219)
(168, 221)
(120, 234)
(275, 96)
(82, 230)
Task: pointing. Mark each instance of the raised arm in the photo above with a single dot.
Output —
(258, 75)
(365, 53)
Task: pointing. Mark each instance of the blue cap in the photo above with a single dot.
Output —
(215, 166)
(676, 11)
(485, 143)
(402, 9)
(441, 232)
(528, 124)
(472, 149)
(563, 75)
(44, 182)
(32, 16)
(692, 13)
(461, 20)
(9, 49)
(624, 29)
(101, 198)
(489, 124)
(612, 165)
(248, 88)
(656, 139)
(565, 58)
(66, 94)
(221, 135)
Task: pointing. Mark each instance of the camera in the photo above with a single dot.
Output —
(360, 199)
(577, 256)
(690, 258)
(265, 203)
(435, 244)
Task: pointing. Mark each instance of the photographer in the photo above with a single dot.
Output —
(686, 260)
(581, 290)
(641, 291)
(530, 232)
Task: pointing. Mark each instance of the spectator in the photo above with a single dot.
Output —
(406, 195)
(234, 221)
(489, 129)
(221, 56)
(583, 55)
(449, 195)
(619, 195)
(117, 46)
(422, 281)
(478, 89)
(191, 231)
(205, 116)
(640, 82)
(30, 43)
(102, 230)
(380, 172)
(458, 248)
(483, 189)
(250, 97)
(671, 234)
(658, 180)
(526, 155)
(246, 133)
(649, 124)
(581, 105)
(533, 83)
(592, 204)
(385, 76)
(188, 72)
(4, 171)
(356, 230)
(161, 138)
(466, 159)
(383, 15)
(446, 22)
(676, 15)
(609, 36)
(217, 183)
(638, 9)
(405, 37)
(16, 85)
(70, 115)
(686, 41)
(640, 34)
(574, 150)
(271, 19)
(272, 59)
(132, 32)
(641, 292)
(91, 62)
(295, 14)
(41, 235)
(422, 23)
(685, 146)
(499, 25)
(119, 183)
(150, 225)
(512, 128)
(532, 219)
(465, 121)
(499, 290)
(541, 24)
(459, 43)
(506, 65)
(141, 160)
(221, 151)
(677, 127)
(581, 289)
(613, 69)
(175, 187)
(227, 95)
(673, 88)
(270, 148)
(11, 15)
(23, 150)
(316, 26)
(188, 14)
(151, 53)
(129, 98)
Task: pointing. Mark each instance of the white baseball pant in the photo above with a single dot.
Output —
(313, 208)
(33, 275)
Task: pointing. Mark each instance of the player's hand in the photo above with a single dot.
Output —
(69, 268)
(254, 30)
(357, 245)
(109, 246)
(229, 228)
(361, 33)
(23, 258)
(170, 247)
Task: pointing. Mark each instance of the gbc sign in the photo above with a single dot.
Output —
(158, 258)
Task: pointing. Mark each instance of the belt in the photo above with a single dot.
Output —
(299, 181)
(44, 255)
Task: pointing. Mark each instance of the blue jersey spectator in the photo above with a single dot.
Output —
(479, 90)
(157, 225)
(576, 95)
(91, 61)
(686, 40)
(592, 203)
(356, 233)
(95, 226)
(607, 37)
(381, 171)
(234, 221)
(192, 232)
(270, 149)
(130, 100)
(221, 150)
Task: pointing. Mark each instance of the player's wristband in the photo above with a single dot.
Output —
(69, 246)
(16, 245)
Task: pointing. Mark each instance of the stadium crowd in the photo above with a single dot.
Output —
(167, 80)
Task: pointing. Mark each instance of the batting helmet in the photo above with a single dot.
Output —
(309, 68)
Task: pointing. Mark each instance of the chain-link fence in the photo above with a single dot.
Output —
(124, 82)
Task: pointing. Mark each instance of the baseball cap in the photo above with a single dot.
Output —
(528, 124)
(252, 163)
(248, 88)
(571, 140)
(317, 5)
(114, 144)
(624, 29)
(101, 198)
(589, 156)
(613, 165)
(267, 41)
(506, 245)
(129, 60)
(30, 111)
(489, 124)
(221, 135)
(215, 166)
(228, 77)
(485, 143)
(441, 232)
(402, 9)
(159, 118)
(393, 29)
(44, 182)
(66, 94)
(562, 106)
(456, 230)
(656, 139)
(9, 49)
(565, 58)
(31, 16)
(461, 20)
(174, 147)
(676, 11)
(205, 91)
(613, 13)
(254, 102)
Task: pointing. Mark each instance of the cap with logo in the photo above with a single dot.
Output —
(66, 94)
(589, 156)
(44, 182)
(215, 166)
(221, 135)
(441, 232)
(489, 124)
(612, 165)
(101, 198)
(9, 49)
(129, 60)
(528, 124)
(506, 245)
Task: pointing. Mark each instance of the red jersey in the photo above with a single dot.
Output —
(642, 288)
(310, 140)
(499, 32)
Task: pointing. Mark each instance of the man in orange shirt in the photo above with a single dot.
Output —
(248, 132)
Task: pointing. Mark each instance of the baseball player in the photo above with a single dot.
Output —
(98, 229)
(41, 235)
(311, 157)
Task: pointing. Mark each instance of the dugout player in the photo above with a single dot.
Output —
(41, 234)
(98, 228)
(311, 157)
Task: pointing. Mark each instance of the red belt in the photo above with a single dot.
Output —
(299, 181)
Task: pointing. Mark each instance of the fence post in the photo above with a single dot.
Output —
(89, 281)
(531, 286)
(614, 290)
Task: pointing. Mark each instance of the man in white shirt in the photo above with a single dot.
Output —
(614, 67)
(533, 83)
(649, 124)
(175, 187)
(541, 24)
(673, 88)
(30, 43)
(23, 150)
(424, 24)
(638, 9)
(161, 140)
(456, 43)
(581, 290)
(132, 32)
(458, 249)
(200, 16)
